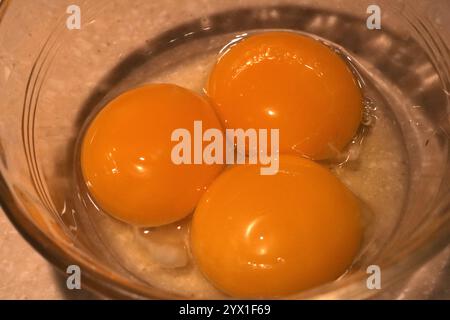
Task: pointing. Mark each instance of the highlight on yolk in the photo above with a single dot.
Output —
(265, 236)
(126, 155)
(291, 82)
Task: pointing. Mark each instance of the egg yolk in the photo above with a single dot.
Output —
(126, 155)
(293, 83)
(265, 236)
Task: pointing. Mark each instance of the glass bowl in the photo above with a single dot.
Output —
(52, 77)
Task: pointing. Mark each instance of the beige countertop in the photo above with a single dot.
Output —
(24, 273)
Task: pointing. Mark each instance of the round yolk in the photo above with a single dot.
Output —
(289, 82)
(126, 155)
(265, 236)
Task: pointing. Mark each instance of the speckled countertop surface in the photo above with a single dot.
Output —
(25, 274)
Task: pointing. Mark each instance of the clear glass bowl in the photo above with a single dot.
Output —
(52, 77)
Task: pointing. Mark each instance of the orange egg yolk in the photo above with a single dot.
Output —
(265, 236)
(289, 82)
(126, 155)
